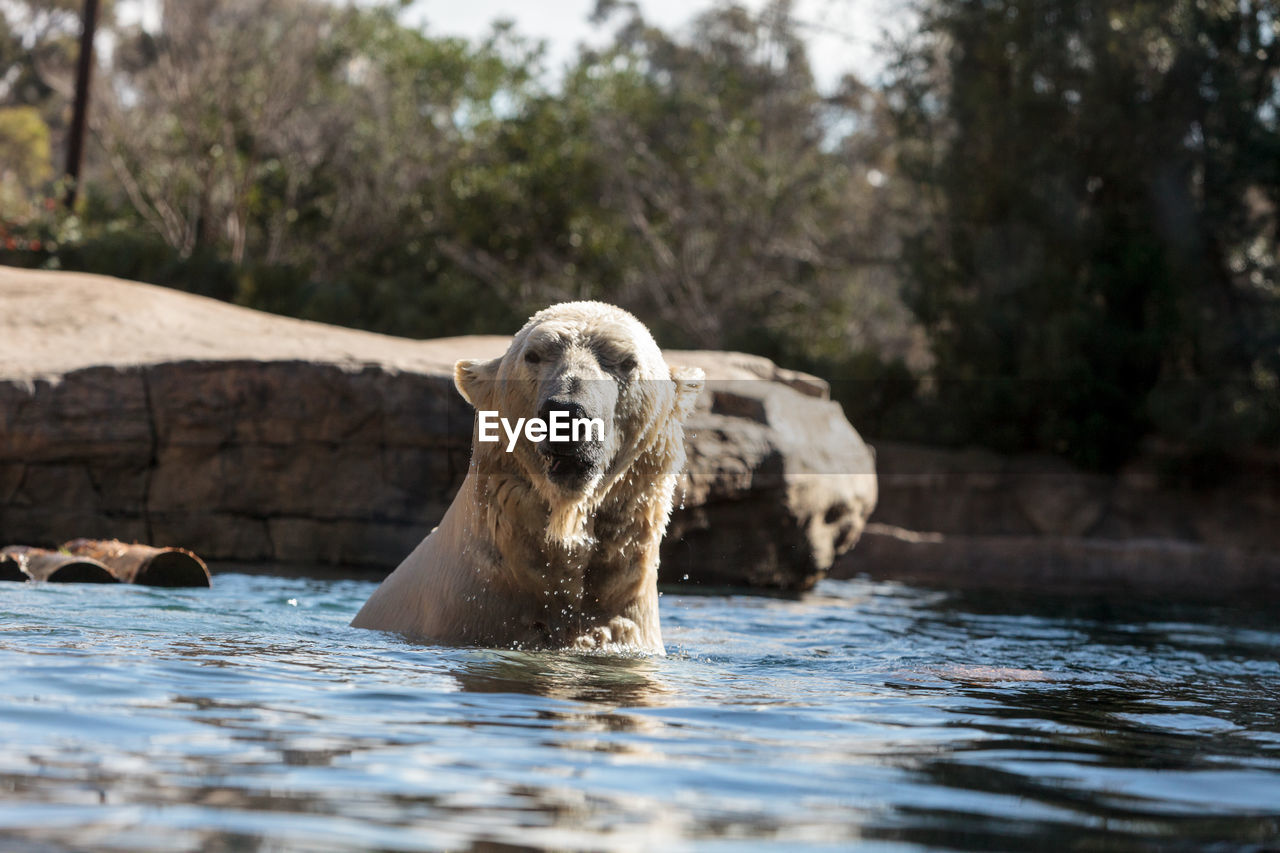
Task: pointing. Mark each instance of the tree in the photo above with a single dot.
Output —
(192, 115)
(702, 182)
(302, 147)
(724, 165)
(1102, 182)
(38, 46)
(37, 54)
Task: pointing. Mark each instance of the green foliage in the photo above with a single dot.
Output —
(1100, 265)
(24, 145)
(37, 45)
(24, 161)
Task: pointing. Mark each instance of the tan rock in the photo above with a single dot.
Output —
(778, 484)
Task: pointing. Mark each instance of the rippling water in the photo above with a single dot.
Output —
(250, 717)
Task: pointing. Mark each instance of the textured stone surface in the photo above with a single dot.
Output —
(134, 412)
(983, 494)
(1135, 569)
(971, 519)
(777, 485)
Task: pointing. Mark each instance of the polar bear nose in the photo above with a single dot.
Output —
(573, 448)
(565, 410)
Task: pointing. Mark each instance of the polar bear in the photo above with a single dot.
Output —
(552, 540)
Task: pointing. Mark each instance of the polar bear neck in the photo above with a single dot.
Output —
(609, 557)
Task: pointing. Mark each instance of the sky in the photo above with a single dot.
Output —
(842, 34)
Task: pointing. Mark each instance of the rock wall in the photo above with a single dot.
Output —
(983, 493)
(980, 520)
(137, 413)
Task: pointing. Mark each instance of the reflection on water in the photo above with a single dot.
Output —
(249, 717)
(600, 679)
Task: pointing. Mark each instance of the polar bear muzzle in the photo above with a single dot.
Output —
(574, 457)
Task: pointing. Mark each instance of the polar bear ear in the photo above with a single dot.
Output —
(474, 380)
(689, 383)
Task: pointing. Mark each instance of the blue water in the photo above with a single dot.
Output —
(870, 715)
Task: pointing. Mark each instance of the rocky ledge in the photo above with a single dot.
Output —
(139, 413)
(1032, 524)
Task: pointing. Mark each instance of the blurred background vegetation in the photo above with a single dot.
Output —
(1049, 226)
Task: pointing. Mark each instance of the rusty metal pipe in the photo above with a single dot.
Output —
(11, 569)
(39, 564)
(143, 564)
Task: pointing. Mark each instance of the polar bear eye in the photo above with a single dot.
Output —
(627, 364)
(532, 357)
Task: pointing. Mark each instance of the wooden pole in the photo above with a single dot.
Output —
(84, 72)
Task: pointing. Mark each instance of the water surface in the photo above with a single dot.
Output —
(250, 717)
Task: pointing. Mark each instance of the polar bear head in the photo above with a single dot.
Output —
(589, 363)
